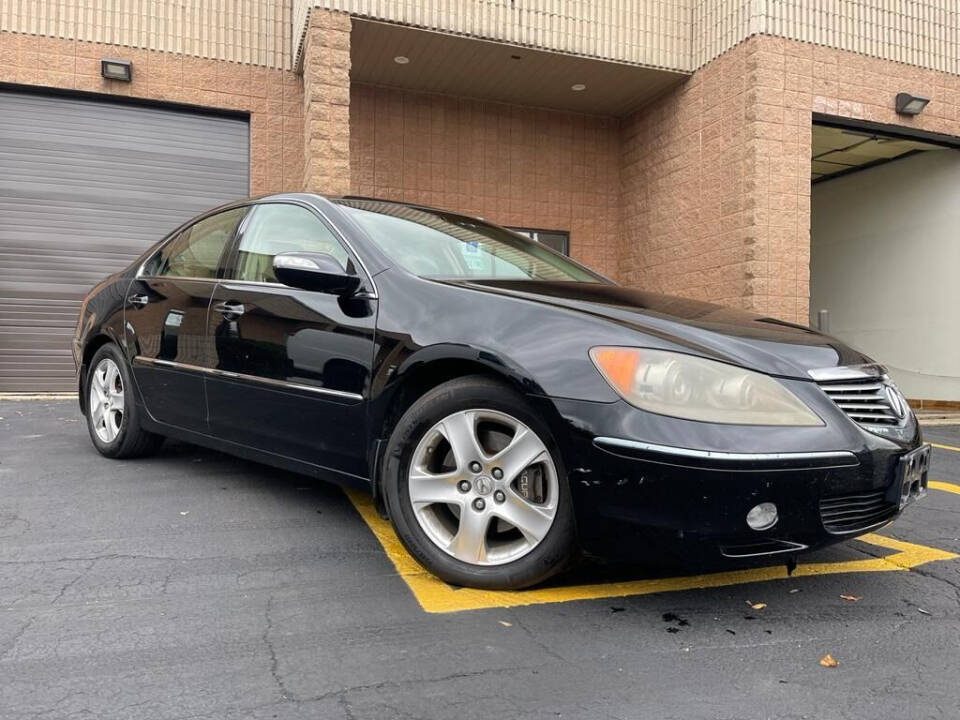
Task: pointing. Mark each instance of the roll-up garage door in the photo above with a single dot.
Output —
(87, 185)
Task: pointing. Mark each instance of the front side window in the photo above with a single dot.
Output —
(437, 244)
(279, 228)
(195, 253)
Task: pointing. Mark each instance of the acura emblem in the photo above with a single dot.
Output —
(895, 400)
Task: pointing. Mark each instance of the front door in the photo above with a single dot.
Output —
(166, 320)
(293, 366)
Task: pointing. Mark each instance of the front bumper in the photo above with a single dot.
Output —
(645, 485)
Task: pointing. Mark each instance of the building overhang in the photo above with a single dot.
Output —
(455, 65)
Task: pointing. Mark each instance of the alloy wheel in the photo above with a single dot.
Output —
(106, 400)
(483, 487)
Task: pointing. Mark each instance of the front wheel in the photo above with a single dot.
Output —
(111, 411)
(476, 489)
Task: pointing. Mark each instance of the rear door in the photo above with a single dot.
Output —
(292, 366)
(166, 320)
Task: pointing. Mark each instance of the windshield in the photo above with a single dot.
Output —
(436, 244)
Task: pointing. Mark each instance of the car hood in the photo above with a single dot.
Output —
(735, 336)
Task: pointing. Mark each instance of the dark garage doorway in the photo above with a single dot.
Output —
(86, 185)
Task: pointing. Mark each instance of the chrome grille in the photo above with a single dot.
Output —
(866, 401)
(851, 513)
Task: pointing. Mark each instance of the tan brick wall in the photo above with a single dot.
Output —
(513, 165)
(326, 103)
(689, 212)
(716, 174)
(274, 98)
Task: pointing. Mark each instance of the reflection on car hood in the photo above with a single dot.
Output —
(753, 341)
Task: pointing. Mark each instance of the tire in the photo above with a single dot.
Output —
(506, 531)
(115, 431)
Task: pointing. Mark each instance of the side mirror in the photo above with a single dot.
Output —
(314, 271)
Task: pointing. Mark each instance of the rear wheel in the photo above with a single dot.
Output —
(476, 488)
(111, 411)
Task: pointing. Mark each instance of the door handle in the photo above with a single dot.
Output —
(140, 300)
(229, 309)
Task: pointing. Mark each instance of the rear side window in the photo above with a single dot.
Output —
(196, 252)
(279, 228)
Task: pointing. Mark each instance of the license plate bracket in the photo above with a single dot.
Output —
(911, 481)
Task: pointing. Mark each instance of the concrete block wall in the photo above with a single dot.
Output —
(715, 175)
(326, 103)
(704, 192)
(511, 164)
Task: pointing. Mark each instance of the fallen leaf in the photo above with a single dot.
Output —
(828, 661)
(185, 512)
(851, 598)
(758, 606)
(795, 590)
(921, 610)
(506, 624)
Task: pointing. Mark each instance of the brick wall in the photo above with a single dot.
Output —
(274, 98)
(705, 192)
(684, 187)
(326, 103)
(513, 165)
(715, 175)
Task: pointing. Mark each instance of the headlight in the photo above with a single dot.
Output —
(690, 387)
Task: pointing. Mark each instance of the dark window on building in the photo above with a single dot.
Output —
(558, 240)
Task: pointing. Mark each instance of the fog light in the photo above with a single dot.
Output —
(762, 516)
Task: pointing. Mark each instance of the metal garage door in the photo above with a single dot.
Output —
(85, 186)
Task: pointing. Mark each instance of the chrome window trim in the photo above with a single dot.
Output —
(176, 277)
(286, 201)
(619, 443)
(281, 384)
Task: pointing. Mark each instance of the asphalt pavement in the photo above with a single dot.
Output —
(196, 585)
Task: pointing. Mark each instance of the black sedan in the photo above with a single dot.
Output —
(506, 406)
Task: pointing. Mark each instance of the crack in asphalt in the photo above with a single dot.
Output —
(73, 582)
(539, 643)
(954, 585)
(274, 664)
(10, 644)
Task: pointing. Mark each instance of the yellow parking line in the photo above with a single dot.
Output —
(945, 447)
(435, 596)
(945, 486)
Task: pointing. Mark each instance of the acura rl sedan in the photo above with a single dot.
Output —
(507, 407)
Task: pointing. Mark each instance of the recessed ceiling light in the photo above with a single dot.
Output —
(578, 87)
(401, 60)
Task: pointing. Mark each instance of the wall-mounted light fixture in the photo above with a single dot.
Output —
(908, 104)
(121, 70)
